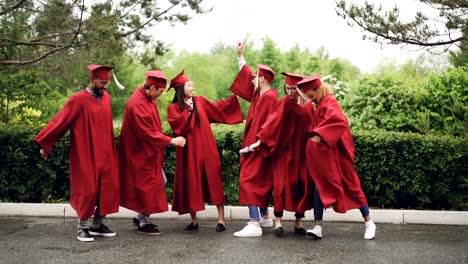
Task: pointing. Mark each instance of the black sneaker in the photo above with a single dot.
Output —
(279, 231)
(102, 230)
(220, 227)
(84, 236)
(149, 229)
(136, 222)
(191, 227)
(299, 231)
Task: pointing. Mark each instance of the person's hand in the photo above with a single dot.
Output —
(44, 154)
(178, 141)
(189, 103)
(244, 150)
(255, 145)
(316, 138)
(240, 48)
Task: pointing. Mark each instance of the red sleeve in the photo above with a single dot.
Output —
(266, 105)
(58, 126)
(181, 121)
(146, 130)
(242, 85)
(332, 123)
(226, 111)
(272, 132)
(309, 110)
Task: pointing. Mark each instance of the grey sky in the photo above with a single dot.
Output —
(311, 24)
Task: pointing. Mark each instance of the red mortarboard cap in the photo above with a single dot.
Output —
(100, 71)
(292, 79)
(266, 72)
(179, 80)
(310, 83)
(156, 78)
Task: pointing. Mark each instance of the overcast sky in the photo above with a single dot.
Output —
(309, 23)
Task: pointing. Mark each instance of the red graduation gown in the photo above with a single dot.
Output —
(331, 161)
(198, 166)
(141, 154)
(93, 157)
(255, 180)
(284, 137)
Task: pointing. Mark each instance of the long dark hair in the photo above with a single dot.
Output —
(179, 98)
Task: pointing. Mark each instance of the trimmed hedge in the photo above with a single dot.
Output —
(397, 170)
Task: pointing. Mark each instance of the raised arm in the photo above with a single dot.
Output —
(225, 111)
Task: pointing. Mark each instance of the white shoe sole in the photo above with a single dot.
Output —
(246, 236)
(82, 239)
(102, 234)
(149, 234)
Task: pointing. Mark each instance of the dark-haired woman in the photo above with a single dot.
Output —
(198, 176)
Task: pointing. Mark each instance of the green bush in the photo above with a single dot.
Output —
(439, 105)
(397, 170)
(24, 176)
(408, 170)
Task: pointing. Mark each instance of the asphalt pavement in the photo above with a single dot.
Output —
(53, 240)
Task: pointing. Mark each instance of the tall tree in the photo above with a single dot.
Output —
(31, 31)
(449, 28)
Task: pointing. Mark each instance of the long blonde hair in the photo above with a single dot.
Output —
(323, 91)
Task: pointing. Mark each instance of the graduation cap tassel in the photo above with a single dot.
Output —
(256, 80)
(119, 85)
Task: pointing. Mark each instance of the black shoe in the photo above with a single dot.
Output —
(149, 229)
(191, 227)
(84, 236)
(279, 231)
(102, 230)
(299, 231)
(220, 227)
(136, 222)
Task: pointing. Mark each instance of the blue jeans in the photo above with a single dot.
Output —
(318, 207)
(253, 212)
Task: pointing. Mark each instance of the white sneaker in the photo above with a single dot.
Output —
(250, 230)
(315, 233)
(266, 222)
(370, 230)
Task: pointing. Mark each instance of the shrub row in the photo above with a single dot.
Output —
(397, 170)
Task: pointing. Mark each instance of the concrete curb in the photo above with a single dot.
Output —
(242, 213)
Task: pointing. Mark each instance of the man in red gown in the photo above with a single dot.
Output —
(141, 154)
(94, 175)
(255, 180)
(283, 138)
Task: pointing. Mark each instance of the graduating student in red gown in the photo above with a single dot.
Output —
(284, 137)
(330, 158)
(255, 180)
(141, 154)
(198, 176)
(94, 175)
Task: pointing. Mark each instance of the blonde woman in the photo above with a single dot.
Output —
(330, 158)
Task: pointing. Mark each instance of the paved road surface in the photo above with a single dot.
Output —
(53, 240)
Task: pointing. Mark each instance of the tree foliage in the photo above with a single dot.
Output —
(31, 31)
(405, 100)
(450, 27)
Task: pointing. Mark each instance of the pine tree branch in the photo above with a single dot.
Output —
(126, 34)
(43, 56)
(13, 7)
